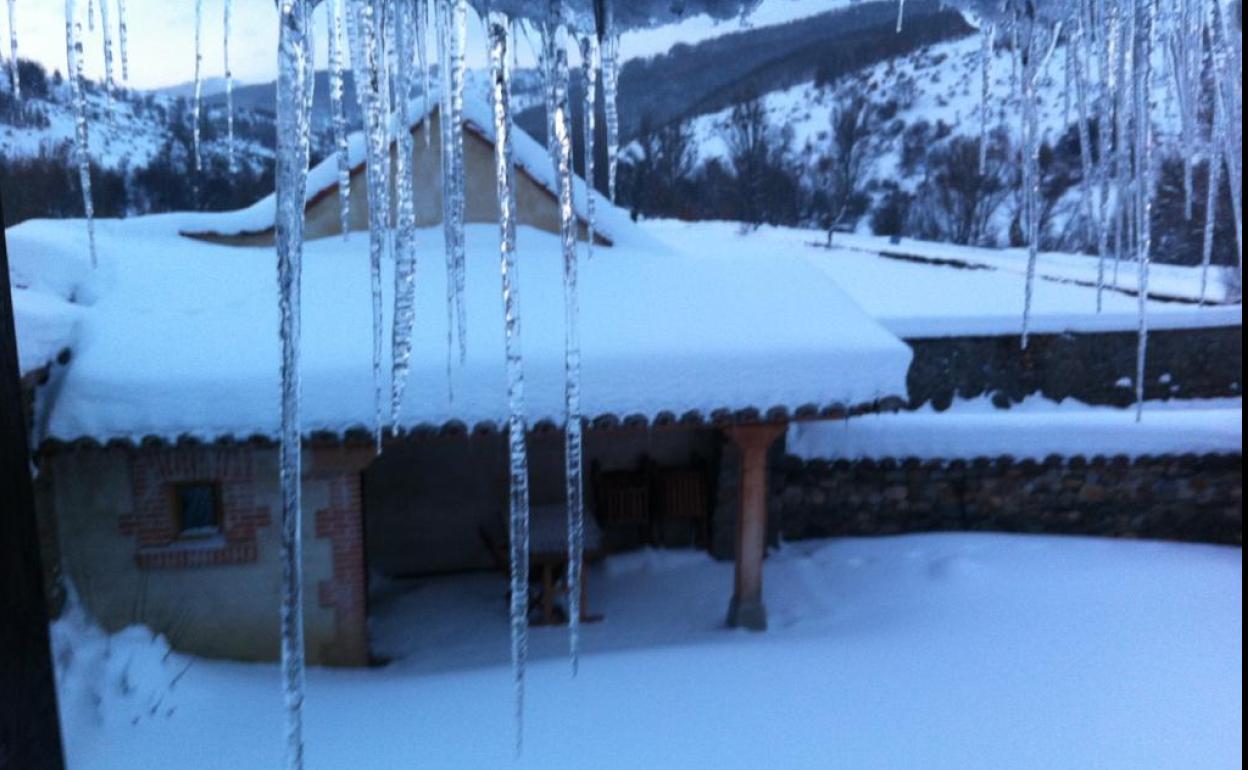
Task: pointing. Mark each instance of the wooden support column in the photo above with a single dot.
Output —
(746, 609)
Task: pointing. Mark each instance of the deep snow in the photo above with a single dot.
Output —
(929, 651)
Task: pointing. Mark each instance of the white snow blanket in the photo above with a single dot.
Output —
(917, 300)
(966, 651)
(179, 337)
(1035, 429)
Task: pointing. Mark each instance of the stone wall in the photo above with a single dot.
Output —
(1189, 497)
(1094, 368)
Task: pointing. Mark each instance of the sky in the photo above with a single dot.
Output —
(161, 35)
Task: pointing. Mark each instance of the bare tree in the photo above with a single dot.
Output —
(842, 170)
(957, 200)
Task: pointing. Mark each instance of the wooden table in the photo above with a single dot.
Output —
(548, 556)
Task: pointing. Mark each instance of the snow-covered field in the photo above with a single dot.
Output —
(934, 300)
(931, 651)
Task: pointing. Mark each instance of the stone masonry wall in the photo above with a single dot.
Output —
(1094, 368)
(1189, 497)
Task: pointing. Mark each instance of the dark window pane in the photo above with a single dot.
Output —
(198, 504)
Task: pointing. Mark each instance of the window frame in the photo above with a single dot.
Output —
(179, 514)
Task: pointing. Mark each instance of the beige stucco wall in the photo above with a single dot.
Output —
(222, 611)
(535, 206)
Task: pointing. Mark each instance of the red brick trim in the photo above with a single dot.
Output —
(342, 523)
(153, 520)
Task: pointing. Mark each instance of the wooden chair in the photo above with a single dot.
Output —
(682, 494)
(623, 499)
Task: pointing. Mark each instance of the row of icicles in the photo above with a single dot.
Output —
(1119, 55)
(391, 47)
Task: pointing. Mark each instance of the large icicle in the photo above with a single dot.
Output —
(589, 74)
(13, 68)
(293, 139)
(457, 72)
(573, 443)
(1075, 52)
(197, 105)
(517, 422)
(367, 69)
(610, 95)
(338, 113)
(78, 93)
(123, 40)
(229, 86)
(405, 238)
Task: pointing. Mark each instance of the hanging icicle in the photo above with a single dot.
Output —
(229, 86)
(610, 95)
(78, 94)
(573, 446)
(338, 113)
(901, 13)
(1078, 63)
(985, 92)
(123, 39)
(293, 142)
(197, 105)
(517, 422)
(1035, 57)
(109, 85)
(367, 59)
(589, 75)
(456, 67)
(1143, 82)
(405, 237)
(14, 74)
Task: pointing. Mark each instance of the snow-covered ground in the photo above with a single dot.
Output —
(1035, 429)
(929, 651)
(912, 299)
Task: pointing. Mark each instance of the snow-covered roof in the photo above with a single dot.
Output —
(530, 157)
(178, 337)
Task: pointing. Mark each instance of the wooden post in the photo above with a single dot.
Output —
(30, 734)
(746, 609)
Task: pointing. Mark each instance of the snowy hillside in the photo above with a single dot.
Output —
(938, 84)
(141, 125)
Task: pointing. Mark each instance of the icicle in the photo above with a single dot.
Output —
(109, 85)
(367, 60)
(199, 85)
(13, 67)
(1143, 81)
(405, 240)
(293, 141)
(589, 73)
(1211, 207)
(422, 53)
(901, 12)
(985, 92)
(229, 86)
(610, 96)
(518, 461)
(1033, 65)
(1075, 52)
(1228, 94)
(573, 447)
(452, 33)
(122, 40)
(338, 113)
(78, 93)
(1108, 21)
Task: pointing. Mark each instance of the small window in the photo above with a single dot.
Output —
(198, 509)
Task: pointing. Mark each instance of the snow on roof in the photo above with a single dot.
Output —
(530, 156)
(919, 292)
(180, 335)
